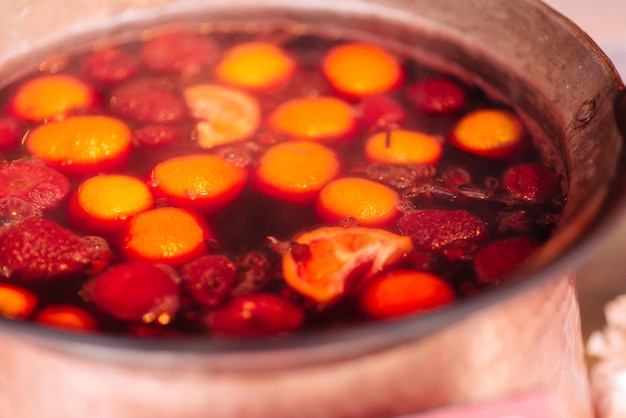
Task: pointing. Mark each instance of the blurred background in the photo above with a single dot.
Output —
(604, 276)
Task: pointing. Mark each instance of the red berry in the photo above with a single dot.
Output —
(381, 112)
(440, 230)
(32, 181)
(209, 279)
(494, 261)
(531, 182)
(177, 52)
(148, 100)
(437, 96)
(110, 66)
(38, 248)
(10, 133)
(158, 135)
(262, 314)
(136, 291)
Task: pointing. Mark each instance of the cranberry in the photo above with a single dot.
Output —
(254, 273)
(209, 279)
(136, 291)
(262, 314)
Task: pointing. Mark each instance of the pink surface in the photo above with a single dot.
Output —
(535, 405)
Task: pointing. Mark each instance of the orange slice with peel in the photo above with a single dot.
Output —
(255, 66)
(225, 114)
(296, 171)
(165, 235)
(337, 259)
(199, 181)
(315, 118)
(81, 145)
(367, 202)
(403, 147)
(51, 97)
(102, 204)
(491, 133)
(357, 69)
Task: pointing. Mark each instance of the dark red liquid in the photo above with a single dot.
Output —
(458, 181)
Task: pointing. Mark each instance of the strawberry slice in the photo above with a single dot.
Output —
(32, 181)
(39, 248)
(453, 233)
(147, 100)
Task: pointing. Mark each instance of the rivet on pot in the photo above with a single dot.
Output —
(585, 113)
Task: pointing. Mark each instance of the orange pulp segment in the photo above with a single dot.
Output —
(402, 292)
(51, 96)
(66, 317)
(403, 147)
(16, 302)
(358, 69)
(256, 66)
(488, 133)
(82, 144)
(199, 181)
(224, 114)
(365, 201)
(105, 202)
(295, 171)
(165, 235)
(339, 259)
(314, 118)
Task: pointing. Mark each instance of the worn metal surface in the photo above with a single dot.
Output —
(516, 339)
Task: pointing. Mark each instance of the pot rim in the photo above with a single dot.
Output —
(324, 346)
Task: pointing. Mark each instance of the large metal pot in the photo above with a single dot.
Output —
(523, 337)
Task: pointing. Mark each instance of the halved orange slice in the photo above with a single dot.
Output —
(224, 114)
(332, 260)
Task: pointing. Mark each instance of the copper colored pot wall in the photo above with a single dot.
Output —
(520, 338)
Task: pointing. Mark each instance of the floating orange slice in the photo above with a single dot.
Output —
(314, 118)
(224, 114)
(66, 317)
(488, 133)
(51, 97)
(256, 66)
(296, 171)
(16, 302)
(403, 147)
(102, 204)
(337, 259)
(402, 292)
(365, 201)
(81, 145)
(165, 235)
(199, 181)
(358, 69)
